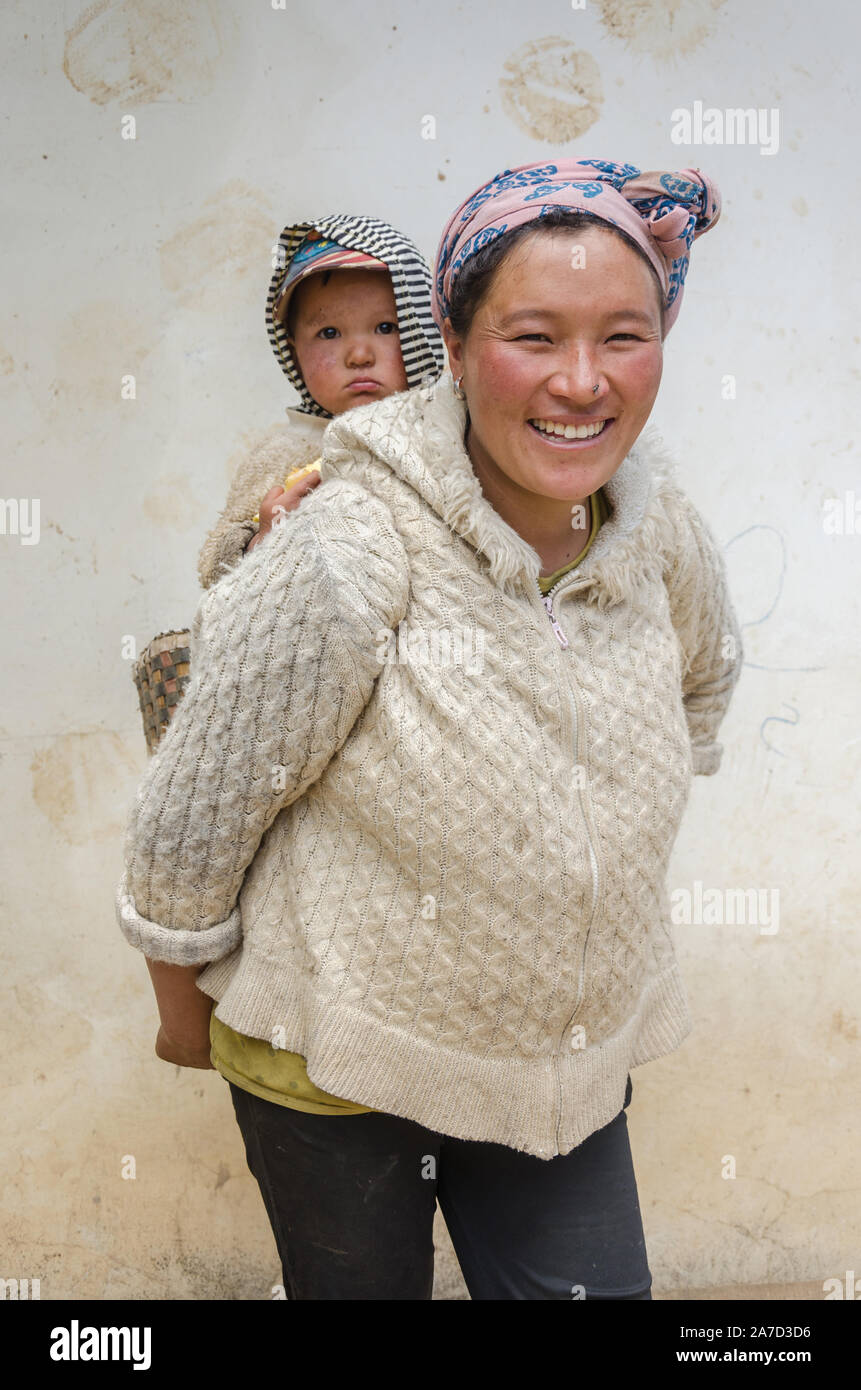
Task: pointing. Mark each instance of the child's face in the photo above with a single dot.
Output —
(346, 340)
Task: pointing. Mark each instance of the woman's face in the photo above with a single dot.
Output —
(565, 311)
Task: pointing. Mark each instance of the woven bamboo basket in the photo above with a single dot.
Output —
(161, 674)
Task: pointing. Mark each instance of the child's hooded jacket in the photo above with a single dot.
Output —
(299, 442)
(417, 818)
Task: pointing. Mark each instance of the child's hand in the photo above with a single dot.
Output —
(183, 1055)
(278, 501)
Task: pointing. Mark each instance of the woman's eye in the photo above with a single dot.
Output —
(632, 336)
(530, 337)
(387, 327)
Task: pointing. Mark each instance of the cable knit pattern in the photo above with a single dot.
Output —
(290, 446)
(443, 879)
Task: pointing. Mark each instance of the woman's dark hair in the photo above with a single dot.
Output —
(474, 281)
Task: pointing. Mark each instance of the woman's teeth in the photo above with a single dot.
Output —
(569, 431)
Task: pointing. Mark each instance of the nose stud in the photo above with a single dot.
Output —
(595, 389)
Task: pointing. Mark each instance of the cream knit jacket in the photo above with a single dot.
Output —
(434, 865)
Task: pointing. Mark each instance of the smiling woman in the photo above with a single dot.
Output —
(554, 318)
(441, 886)
(559, 353)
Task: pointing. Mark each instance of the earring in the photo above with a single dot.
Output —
(461, 395)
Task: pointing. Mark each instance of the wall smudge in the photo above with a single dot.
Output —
(211, 257)
(120, 50)
(552, 90)
(40, 1025)
(171, 503)
(841, 1024)
(665, 29)
(95, 345)
(80, 783)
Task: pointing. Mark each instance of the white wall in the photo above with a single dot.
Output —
(151, 257)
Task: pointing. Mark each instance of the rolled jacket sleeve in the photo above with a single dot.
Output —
(707, 629)
(284, 656)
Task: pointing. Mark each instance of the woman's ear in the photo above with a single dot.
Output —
(454, 345)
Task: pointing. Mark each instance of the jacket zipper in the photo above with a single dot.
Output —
(547, 600)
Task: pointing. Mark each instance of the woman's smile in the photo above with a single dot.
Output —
(570, 434)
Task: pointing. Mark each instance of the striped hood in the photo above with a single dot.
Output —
(421, 344)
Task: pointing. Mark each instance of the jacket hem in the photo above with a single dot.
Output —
(514, 1101)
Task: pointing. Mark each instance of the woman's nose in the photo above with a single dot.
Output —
(576, 375)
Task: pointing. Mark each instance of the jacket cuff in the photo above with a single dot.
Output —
(707, 758)
(172, 945)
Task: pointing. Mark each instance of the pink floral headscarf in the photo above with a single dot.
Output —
(663, 212)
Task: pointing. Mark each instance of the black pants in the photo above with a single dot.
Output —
(351, 1202)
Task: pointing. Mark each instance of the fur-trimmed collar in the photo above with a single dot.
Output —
(419, 435)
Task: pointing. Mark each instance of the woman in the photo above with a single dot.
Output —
(439, 877)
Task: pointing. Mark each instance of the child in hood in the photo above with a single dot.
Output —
(349, 318)
(348, 313)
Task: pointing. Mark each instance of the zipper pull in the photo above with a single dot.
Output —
(548, 604)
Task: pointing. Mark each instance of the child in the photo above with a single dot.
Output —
(342, 340)
(349, 319)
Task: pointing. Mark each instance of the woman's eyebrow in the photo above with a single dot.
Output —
(638, 314)
(519, 314)
(528, 314)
